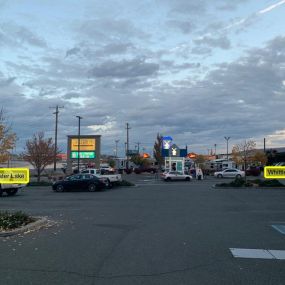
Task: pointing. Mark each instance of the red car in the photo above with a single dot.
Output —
(253, 171)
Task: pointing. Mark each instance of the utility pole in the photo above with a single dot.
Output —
(264, 149)
(55, 135)
(127, 128)
(227, 139)
(78, 143)
(215, 148)
(116, 141)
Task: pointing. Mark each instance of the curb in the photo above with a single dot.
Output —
(37, 224)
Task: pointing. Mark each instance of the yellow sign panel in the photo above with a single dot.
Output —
(274, 172)
(85, 144)
(14, 175)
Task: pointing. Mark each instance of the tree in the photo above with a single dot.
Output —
(200, 160)
(39, 152)
(139, 160)
(7, 139)
(111, 162)
(157, 151)
(260, 158)
(241, 153)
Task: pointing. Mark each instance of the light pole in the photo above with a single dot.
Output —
(227, 139)
(78, 143)
(55, 135)
(116, 141)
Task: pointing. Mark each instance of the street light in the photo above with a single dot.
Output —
(227, 139)
(78, 143)
(116, 141)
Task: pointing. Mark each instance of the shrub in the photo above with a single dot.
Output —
(271, 183)
(238, 182)
(14, 220)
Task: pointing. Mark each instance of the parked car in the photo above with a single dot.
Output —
(10, 189)
(141, 169)
(80, 182)
(230, 173)
(110, 178)
(253, 171)
(106, 169)
(175, 175)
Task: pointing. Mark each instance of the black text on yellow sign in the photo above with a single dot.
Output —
(272, 172)
(86, 144)
(14, 175)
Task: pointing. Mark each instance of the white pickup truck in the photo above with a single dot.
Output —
(10, 189)
(110, 178)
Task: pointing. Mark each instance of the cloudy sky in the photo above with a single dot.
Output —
(194, 70)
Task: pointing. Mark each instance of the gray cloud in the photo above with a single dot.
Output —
(186, 27)
(125, 69)
(228, 5)
(72, 51)
(12, 34)
(108, 29)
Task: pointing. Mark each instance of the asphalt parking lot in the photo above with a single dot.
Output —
(155, 233)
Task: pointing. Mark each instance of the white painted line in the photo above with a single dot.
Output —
(279, 228)
(251, 253)
(278, 254)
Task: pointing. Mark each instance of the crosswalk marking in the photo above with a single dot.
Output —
(258, 253)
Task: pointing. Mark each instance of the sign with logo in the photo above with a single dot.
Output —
(82, 154)
(174, 150)
(86, 144)
(166, 142)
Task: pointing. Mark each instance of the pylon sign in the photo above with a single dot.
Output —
(166, 142)
(171, 150)
(174, 151)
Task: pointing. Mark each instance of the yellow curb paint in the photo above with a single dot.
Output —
(14, 175)
(271, 172)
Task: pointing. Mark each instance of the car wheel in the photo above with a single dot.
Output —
(59, 188)
(109, 184)
(238, 176)
(187, 178)
(11, 192)
(220, 176)
(168, 179)
(92, 188)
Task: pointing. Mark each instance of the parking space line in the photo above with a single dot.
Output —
(279, 228)
(258, 253)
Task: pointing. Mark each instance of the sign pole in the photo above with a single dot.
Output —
(78, 143)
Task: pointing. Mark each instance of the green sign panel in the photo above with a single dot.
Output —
(179, 166)
(83, 154)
